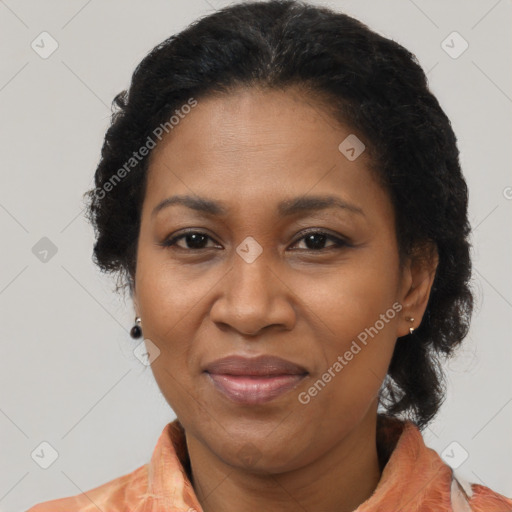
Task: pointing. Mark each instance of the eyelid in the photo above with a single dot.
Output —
(171, 240)
(323, 231)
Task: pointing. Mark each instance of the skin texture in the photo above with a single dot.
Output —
(252, 149)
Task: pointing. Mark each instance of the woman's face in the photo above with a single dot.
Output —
(267, 276)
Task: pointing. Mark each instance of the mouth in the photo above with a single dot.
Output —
(252, 381)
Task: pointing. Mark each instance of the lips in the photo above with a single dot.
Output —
(255, 366)
(255, 380)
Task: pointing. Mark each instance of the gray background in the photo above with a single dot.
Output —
(68, 374)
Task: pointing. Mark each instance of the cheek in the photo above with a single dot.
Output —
(356, 336)
(166, 295)
(352, 297)
(166, 308)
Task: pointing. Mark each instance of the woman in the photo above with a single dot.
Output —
(281, 194)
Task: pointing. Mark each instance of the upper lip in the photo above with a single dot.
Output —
(262, 365)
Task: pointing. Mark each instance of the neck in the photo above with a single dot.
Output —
(338, 481)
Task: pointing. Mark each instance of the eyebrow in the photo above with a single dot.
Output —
(285, 208)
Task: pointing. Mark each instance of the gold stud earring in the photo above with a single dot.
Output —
(411, 329)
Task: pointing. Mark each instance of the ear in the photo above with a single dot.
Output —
(417, 280)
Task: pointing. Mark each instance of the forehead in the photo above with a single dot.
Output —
(250, 120)
(254, 145)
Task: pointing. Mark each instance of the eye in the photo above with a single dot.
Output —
(195, 240)
(314, 240)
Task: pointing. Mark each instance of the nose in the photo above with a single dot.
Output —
(253, 297)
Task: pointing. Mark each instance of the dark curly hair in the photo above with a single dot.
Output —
(362, 80)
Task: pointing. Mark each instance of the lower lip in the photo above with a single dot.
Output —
(254, 390)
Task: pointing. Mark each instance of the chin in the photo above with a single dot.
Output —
(259, 456)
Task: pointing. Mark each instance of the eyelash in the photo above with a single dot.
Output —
(339, 242)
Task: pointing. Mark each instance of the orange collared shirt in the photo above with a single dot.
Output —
(414, 479)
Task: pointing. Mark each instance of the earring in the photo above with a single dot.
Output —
(136, 331)
(411, 329)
